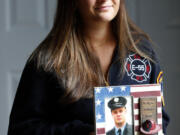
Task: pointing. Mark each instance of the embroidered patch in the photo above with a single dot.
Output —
(160, 77)
(160, 81)
(138, 68)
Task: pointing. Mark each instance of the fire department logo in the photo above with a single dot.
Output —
(138, 68)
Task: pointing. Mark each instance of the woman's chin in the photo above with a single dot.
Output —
(105, 18)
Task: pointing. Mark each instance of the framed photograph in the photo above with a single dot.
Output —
(120, 115)
(128, 109)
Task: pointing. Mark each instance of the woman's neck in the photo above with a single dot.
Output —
(101, 41)
(98, 34)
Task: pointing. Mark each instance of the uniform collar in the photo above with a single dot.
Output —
(122, 129)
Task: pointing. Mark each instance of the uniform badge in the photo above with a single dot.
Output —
(138, 68)
(116, 99)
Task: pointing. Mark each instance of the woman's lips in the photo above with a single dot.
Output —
(103, 8)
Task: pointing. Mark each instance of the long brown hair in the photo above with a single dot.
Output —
(64, 50)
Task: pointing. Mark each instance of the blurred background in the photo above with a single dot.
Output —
(25, 23)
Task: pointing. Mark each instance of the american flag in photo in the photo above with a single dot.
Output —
(137, 91)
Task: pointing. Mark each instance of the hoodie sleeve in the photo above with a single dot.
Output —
(34, 110)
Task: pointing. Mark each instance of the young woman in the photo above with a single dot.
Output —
(92, 43)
